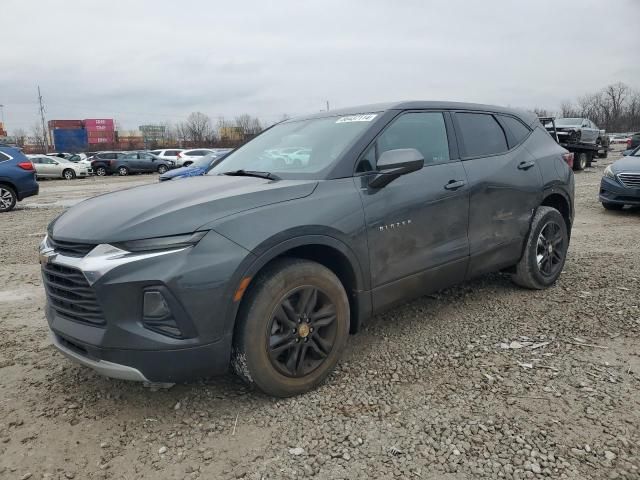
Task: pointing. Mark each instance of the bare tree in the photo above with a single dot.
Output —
(20, 136)
(248, 125)
(39, 137)
(198, 128)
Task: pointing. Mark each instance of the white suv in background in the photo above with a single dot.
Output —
(168, 154)
(187, 157)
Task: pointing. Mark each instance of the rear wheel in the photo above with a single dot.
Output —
(292, 328)
(580, 161)
(101, 171)
(545, 250)
(123, 171)
(8, 198)
(68, 174)
(612, 206)
(162, 169)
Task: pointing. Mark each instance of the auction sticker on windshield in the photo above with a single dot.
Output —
(363, 117)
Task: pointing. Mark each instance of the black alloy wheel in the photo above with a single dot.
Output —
(550, 249)
(302, 331)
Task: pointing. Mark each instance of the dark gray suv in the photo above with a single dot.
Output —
(267, 265)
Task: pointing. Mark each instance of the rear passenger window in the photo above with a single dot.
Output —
(481, 134)
(424, 131)
(4, 157)
(515, 129)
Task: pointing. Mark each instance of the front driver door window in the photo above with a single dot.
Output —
(417, 228)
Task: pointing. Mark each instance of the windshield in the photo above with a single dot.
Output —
(303, 149)
(568, 122)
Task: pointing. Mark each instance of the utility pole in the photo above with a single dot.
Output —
(2, 113)
(44, 128)
(327, 105)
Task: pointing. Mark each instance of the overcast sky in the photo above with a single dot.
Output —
(157, 61)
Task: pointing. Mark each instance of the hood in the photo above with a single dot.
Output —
(189, 171)
(627, 164)
(170, 208)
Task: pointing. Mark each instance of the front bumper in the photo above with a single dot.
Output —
(195, 282)
(611, 191)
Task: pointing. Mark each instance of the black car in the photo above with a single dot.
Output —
(125, 163)
(634, 141)
(266, 265)
(620, 184)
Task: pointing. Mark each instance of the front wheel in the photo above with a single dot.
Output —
(101, 171)
(545, 250)
(68, 174)
(162, 169)
(8, 198)
(292, 327)
(612, 206)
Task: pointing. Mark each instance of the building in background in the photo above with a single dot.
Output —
(153, 135)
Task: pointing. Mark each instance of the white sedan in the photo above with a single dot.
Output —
(55, 167)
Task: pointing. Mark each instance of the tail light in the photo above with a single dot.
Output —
(629, 143)
(568, 157)
(26, 166)
(179, 155)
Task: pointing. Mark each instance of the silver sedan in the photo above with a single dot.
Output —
(55, 167)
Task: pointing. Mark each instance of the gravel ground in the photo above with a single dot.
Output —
(484, 380)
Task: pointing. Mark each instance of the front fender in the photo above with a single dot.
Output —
(274, 248)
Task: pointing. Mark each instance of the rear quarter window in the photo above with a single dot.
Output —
(516, 131)
(4, 157)
(482, 135)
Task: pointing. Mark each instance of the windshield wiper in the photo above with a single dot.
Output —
(252, 173)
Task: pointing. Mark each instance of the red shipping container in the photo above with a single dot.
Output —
(53, 124)
(95, 140)
(100, 133)
(99, 128)
(90, 123)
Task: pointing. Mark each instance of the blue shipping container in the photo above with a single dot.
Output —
(70, 140)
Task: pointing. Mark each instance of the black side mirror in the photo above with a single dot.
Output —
(395, 163)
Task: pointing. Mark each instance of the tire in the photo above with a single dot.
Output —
(580, 161)
(123, 171)
(162, 169)
(101, 171)
(612, 206)
(8, 198)
(547, 227)
(306, 351)
(68, 174)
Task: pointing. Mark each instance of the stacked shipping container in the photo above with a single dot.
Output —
(67, 135)
(100, 130)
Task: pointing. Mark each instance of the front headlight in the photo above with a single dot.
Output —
(161, 243)
(608, 172)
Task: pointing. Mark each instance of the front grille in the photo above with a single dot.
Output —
(630, 180)
(70, 249)
(70, 295)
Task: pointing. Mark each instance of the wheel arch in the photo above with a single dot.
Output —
(560, 201)
(325, 250)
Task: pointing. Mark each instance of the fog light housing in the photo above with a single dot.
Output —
(155, 306)
(157, 315)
